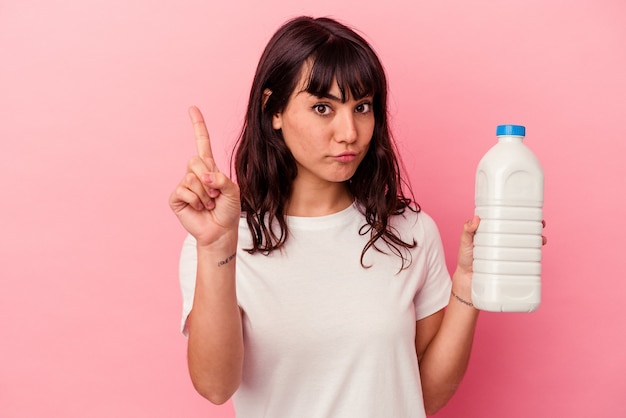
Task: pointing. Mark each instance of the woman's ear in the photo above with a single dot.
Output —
(277, 121)
(266, 95)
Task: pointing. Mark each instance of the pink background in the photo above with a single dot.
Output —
(94, 135)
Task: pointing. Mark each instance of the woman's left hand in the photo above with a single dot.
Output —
(466, 247)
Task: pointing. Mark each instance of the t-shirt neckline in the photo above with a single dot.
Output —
(325, 221)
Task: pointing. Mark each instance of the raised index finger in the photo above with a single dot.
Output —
(203, 141)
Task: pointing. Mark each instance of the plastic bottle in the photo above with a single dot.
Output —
(507, 244)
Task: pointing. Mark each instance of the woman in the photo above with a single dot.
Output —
(314, 287)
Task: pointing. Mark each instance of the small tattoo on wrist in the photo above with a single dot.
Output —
(226, 260)
(463, 301)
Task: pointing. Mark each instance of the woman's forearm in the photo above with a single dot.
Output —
(445, 360)
(215, 345)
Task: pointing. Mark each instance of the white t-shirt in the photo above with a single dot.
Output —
(323, 336)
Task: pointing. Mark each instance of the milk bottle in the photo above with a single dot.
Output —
(507, 244)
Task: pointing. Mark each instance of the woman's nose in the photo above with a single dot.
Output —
(345, 130)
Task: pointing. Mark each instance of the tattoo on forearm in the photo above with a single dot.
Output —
(226, 260)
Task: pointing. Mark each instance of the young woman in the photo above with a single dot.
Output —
(313, 286)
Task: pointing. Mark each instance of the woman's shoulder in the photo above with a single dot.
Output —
(415, 220)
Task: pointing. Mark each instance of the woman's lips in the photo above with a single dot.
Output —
(345, 157)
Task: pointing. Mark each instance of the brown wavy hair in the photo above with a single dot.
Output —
(264, 166)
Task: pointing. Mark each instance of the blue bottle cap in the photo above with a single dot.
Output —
(510, 130)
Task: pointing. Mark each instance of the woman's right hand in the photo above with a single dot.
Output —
(205, 201)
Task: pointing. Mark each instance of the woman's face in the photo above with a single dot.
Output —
(327, 138)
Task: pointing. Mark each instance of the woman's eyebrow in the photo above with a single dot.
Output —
(339, 99)
(323, 96)
(331, 97)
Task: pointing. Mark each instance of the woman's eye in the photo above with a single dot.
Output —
(363, 108)
(321, 109)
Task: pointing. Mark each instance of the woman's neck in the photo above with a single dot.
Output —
(325, 199)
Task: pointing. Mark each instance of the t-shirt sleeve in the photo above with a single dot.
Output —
(187, 268)
(435, 293)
